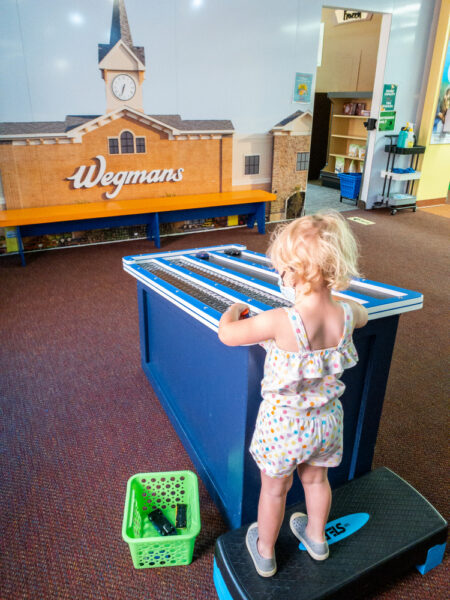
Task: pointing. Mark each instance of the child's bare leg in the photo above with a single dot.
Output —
(271, 507)
(318, 499)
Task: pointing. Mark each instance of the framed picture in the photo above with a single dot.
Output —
(441, 125)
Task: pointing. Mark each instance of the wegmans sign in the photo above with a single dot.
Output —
(88, 177)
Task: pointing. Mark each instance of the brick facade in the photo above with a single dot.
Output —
(285, 179)
(35, 175)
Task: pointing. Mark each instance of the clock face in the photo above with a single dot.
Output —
(123, 87)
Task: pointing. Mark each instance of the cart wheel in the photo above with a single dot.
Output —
(414, 208)
(394, 211)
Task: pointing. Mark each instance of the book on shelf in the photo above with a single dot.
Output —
(349, 108)
(339, 164)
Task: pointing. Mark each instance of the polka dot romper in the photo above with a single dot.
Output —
(300, 418)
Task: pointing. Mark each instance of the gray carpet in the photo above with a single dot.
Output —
(320, 197)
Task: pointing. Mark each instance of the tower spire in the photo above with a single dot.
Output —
(120, 30)
(122, 62)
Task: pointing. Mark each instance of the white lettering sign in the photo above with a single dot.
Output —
(86, 177)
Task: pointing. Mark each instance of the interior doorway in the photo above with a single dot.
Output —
(345, 82)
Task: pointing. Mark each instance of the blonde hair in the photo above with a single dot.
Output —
(317, 248)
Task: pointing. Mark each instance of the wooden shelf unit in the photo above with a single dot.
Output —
(344, 130)
(349, 137)
(349, 117)
(350, 158)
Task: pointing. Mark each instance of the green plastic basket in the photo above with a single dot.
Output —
(147, 491)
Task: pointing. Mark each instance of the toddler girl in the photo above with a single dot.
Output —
(308, 345)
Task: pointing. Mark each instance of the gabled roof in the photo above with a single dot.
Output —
(104, 49)
(120, 30)
(48, 127)
(72, 123)
(292, 117)
(177, 122)
(32, 127)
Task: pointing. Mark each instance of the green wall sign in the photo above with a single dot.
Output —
(386, 121)
(389, 93)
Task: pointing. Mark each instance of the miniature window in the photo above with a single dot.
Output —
(127, 142)
(302, 161)
(113, 145)
(252, 165)
(140, 144)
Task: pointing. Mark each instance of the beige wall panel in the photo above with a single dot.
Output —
(349, 54)
(302, 125)
(248, 145)
(266, 187)
(367, 67)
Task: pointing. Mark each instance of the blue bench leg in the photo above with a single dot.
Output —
(251, 218)
(21, 250)
(153, 229)
(261, 217)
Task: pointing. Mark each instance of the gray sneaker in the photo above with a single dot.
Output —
(298, 523)
(266, 567)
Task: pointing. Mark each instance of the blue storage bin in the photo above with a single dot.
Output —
(350, 184)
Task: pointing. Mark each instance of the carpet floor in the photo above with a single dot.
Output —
(78, 416)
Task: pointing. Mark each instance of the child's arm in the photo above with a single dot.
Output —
(360, 314)
(236, 332)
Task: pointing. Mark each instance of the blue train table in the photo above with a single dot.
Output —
(211, 392)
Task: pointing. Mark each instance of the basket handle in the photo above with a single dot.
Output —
(130, 508)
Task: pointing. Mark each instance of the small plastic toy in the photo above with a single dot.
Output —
(202, 255)
(181, 516)
(244, 314)
(232, 252)
(163, 525)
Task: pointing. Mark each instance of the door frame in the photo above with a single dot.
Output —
(377, 95)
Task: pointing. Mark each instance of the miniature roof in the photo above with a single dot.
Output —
(72, 121)
(292, 117)
(120, 30)
(193, 125)
(33, 127)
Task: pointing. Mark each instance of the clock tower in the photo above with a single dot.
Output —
(122, 65)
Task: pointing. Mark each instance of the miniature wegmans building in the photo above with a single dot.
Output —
(127, 154)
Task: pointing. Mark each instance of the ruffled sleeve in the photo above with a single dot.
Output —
(333, 361)
(329, 362)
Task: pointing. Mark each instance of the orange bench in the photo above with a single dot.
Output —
(146, 211)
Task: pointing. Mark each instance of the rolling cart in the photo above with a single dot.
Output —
(399, 201)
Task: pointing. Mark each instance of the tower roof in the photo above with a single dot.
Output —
(120, 30)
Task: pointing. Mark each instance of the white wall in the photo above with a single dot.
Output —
(226, 59)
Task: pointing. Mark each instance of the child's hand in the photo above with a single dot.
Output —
(236, 330)
(238, 311)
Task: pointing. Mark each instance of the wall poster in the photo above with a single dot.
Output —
(302, 87)
(441, 126)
